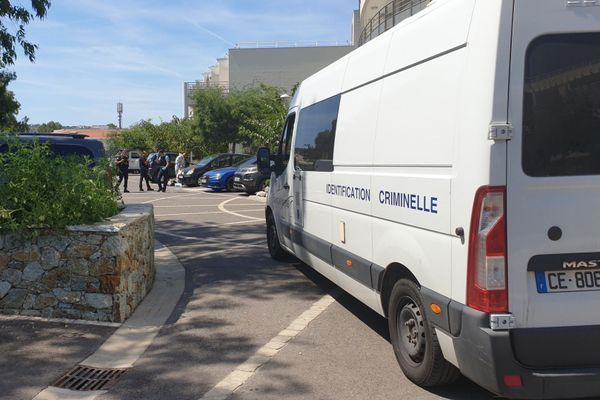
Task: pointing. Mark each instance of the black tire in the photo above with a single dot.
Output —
(275, 249)
(199, 181)
(414, 340)
(261, 185)
(229, 185)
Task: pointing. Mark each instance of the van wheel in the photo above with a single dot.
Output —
(414, 340)
(275, 249)
(199, 181)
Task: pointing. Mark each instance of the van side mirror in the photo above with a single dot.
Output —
(263, 159)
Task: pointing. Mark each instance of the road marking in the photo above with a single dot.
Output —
(167, 198)
(260, 245)
(126, 345)
(223, 209)
(205, 205)
(203, 213)
(254, 221)
(224, 389)
(205, 241)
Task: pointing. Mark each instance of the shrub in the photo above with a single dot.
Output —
(39, 190)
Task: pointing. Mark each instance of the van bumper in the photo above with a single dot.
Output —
(487, 356)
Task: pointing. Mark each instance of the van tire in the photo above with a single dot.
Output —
(275, 249)
(419, 356)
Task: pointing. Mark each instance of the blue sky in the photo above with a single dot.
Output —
(94, 53)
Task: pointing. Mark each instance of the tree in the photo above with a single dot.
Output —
(261, 114)
(9, 106)
(253, 117)
(214, 119)
(49, 127)
(18, 16)
(175, 135)
(111, 126)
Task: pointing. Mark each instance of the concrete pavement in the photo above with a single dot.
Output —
(226, 332)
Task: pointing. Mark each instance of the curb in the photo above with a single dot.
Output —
(127, 344)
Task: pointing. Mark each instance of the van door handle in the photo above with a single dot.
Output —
(286, 186)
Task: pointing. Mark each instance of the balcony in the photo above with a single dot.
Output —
(190, 87)
(389, 16)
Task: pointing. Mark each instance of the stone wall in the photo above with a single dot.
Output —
(98, 272)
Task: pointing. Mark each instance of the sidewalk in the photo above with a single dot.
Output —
(35, 352)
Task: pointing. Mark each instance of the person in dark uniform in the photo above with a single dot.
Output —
(144, 166)
(123, 168)
(163, 177)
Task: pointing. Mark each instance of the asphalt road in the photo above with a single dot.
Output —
(237, 299)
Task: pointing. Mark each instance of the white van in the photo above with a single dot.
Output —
(447, 174)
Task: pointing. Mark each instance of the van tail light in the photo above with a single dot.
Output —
(487, 288)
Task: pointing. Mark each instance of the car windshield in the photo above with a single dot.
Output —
(246, 163)
(206, 160)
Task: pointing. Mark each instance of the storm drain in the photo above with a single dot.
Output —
(82, 378)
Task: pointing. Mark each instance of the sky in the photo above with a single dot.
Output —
(95, 53)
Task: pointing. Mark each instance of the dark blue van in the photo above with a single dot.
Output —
(60, 144)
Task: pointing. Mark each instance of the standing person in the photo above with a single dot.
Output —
(179, 165)
(144, 166)
(123, 167)
(163, 176)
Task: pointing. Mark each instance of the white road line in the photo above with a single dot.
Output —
(125, 346)
(229, 249)
(253, 221)
(222, 208)
(204, 205)
(205, 241)
(203, 213)
(224, 389)
(167, 198)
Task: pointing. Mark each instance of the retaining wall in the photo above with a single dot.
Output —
(96, 272)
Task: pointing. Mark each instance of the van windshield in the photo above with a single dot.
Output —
(561, 114)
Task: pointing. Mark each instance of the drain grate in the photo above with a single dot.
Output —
(82, 378)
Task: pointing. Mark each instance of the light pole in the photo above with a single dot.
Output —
(120, 112)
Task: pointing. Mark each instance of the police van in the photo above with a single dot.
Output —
(447, 174)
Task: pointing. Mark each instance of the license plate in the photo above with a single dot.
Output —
(567, 281)
(237, 179)
(204, 179)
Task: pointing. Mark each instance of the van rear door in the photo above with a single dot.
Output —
(553, 169)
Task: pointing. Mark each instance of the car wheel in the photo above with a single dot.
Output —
(262, 185)
(414, 340)
(275, 249)
(199, 181)
(229, 185)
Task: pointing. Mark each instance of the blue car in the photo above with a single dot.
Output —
(222, 179)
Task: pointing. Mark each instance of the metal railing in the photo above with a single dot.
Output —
(190, 87)
(389, 16)
(298, 43)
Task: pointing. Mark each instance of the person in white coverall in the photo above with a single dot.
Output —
(179, 165)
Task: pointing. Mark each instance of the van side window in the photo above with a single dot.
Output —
(285, 145)
(71, 150)
(561, 114)
(316, 136)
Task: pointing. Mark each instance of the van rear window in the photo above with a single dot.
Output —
(561, 115)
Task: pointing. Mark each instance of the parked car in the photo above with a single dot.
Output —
(222, 179)
(155, 169)
(192, 176)
(249, 179)
(134, 161)
(61, 144)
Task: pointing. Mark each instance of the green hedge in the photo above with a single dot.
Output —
(39, 190)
